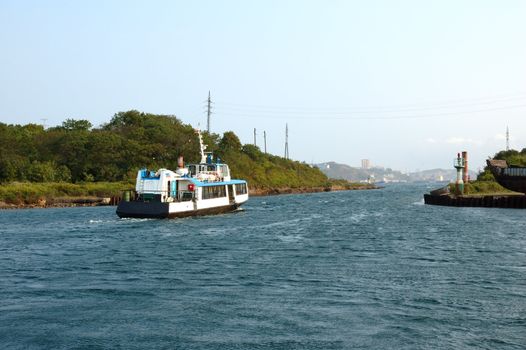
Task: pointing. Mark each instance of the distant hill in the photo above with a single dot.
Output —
(343, 171)
(438, 175)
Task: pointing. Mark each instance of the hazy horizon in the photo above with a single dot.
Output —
(406, 85)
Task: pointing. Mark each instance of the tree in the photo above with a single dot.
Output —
(230, 141)
(125, 119)
(77, 125)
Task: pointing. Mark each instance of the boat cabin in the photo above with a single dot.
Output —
(209, 172)
(197, 181)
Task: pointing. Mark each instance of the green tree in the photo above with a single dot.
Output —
(230, 141)
(76, 125)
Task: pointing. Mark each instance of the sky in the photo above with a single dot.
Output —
(406, 84)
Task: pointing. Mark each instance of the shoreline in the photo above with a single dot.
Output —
(261, 192)
(62, 202)
(74, 202)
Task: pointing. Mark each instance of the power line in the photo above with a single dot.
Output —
(376, 109)
(282, 115)
(363, 110)
(344, 111)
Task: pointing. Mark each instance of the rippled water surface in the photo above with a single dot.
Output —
(359, 269)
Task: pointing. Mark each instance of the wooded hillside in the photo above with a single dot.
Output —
(78, 152)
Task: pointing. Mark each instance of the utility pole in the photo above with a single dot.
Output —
(286, 141)
(209, 112)
(265, 140)
(254, 136)
(507, 138)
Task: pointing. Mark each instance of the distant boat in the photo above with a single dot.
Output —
(197, 189)
(508, 176)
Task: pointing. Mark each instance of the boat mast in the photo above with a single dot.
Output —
(202, 146)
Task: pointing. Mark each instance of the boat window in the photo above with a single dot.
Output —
(241, 189)
(211, 167)
(187, 196)
(210, 192)
(224, 170)
(149, 174)
(191, 170)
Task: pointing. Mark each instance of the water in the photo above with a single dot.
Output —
(358, 269)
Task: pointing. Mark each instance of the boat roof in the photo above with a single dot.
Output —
(205, 164)
(219, 183)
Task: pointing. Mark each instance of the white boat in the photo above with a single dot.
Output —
(198, 189)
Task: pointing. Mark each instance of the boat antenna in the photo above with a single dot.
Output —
(202, 146)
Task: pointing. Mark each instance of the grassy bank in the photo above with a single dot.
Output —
(339, 184)
(27, 193)
(336, 185)
(482, 188)
(21, 194)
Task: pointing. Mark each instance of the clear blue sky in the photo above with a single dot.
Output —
(403, 83)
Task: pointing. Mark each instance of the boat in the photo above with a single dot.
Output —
(509, 176)
(204, 188)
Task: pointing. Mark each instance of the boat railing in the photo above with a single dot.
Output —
(154, 191)
(209, 172)
(216, 177)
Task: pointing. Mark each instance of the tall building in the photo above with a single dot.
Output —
(366, 164)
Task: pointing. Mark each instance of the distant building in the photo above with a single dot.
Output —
(366, 164)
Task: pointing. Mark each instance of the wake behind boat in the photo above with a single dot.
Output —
(197, 189)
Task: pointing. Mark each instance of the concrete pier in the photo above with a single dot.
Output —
(489, 201)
